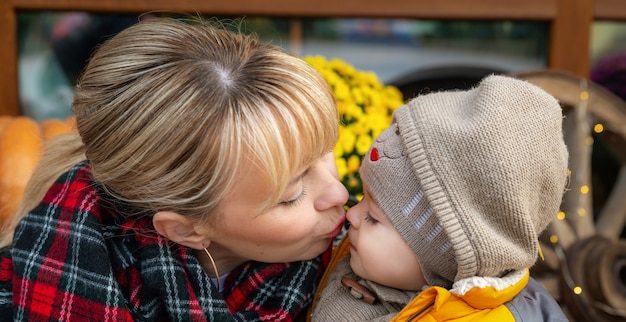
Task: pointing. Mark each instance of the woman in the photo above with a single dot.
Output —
(208, 189)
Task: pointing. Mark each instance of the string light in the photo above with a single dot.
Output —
(598, 128)
(584, 95)
(584, 190)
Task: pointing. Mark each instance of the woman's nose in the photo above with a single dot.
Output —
(334, 194)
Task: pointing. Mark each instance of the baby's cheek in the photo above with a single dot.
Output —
(356, 266)
(365, 262)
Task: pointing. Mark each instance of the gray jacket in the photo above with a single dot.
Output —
(338, 304)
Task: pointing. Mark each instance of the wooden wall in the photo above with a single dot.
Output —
(569, 39)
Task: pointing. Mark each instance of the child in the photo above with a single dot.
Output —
(456, 193)
(202, 187)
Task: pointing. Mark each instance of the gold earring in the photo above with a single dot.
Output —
(219, 285)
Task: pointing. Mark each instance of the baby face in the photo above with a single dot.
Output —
(378, 252)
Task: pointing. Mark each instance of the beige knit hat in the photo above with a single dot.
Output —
(471, 178)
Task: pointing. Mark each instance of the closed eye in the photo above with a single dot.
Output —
(296, 201)
(300, 197)
(370, 219)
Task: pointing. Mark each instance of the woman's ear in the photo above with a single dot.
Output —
(178, 229)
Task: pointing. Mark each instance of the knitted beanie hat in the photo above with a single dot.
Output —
(471, 178)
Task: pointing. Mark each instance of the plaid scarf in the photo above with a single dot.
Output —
(76, 257)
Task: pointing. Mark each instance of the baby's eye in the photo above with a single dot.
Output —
(370, 219)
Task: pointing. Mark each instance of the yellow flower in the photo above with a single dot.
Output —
(347, 140)
(342, 167)
(354, 163)
(365, 105)
(341, 90)
(353, 182)
(358, 96)
(363, 143)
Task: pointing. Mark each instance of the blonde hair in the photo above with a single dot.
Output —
(169, 111)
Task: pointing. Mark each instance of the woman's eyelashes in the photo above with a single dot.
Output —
(294, 202)
(301, 195)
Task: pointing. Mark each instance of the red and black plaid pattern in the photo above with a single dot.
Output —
(77, 257)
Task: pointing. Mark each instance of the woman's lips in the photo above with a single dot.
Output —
(337, 229)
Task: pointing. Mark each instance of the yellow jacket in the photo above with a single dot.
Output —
(478, 302)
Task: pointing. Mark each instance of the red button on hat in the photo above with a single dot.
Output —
(374, 154)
